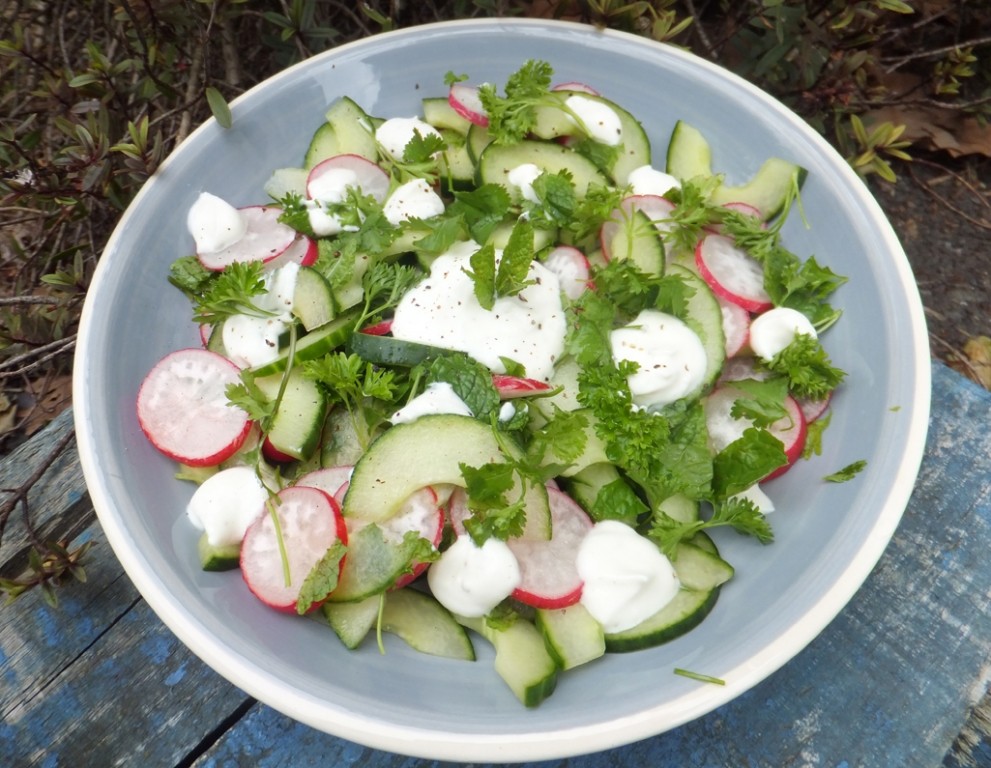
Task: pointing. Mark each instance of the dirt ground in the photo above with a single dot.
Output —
(942, 214)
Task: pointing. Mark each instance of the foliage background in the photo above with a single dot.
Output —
(95, 93)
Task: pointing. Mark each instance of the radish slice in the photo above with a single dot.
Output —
(273, 454)
(510, 387)
(205, 330)
(549, 578)
(378, 329)
(330, 480)
(736, 326)
(813, 409)
(183, 408)
(330, 179)
(310, 523)
(303, 251)
(732, 273)
(572, 269)
(464, 99)
(576, 87)
(746, 209)
(723, 428)
(423, 513)
(266, 238)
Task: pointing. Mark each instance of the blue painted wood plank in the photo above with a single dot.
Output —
(890, 681)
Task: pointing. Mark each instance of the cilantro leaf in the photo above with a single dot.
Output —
(745, 461)
(493, 514)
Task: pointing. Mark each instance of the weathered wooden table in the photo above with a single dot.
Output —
(900, 678)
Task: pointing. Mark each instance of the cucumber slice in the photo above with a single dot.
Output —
(636, 238)
(521, 658)
(497, 161)
(425, 625)
(704, 316)
(298, 422)
(572, 636)
(217, 558)
(286, 181)
(689, 154)
(372, 566)
(456, 167)
(768, 190)
(680, 508)
(438, 112)
(348, 131)
(685, 612)
(351, 622)
(316, 344)
(586, 485)
(312, 301)
(478, 139)
(340, 445)
(387, 350)
(429, 451)
(700, 570)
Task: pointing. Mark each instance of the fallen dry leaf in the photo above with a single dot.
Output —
(8, 415)
(976, 365)
(50, 397)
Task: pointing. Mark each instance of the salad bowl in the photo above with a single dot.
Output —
(828, 536)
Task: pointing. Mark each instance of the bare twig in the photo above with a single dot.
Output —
(48, 351)
(13, 301)
(20, 493)
(942, 200)
(896, 63)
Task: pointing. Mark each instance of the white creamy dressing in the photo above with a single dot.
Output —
(756, 495)
(442, 310)
(214, 223)
(671, 359)
(226, 503)
(627, 579)
(413, 200)
(396, 132)
(250, 340)
(646, 180)
(522, 177)
(775, 329)
(438, 397)
(599, 120)
(330, 188)
(470, 580)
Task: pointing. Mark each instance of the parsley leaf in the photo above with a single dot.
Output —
(763, 402)
(808, 368)
(740, 514)
(189, 276)
(813, 435)
(493, 515)
(231, 293)
(847, 473)
(512, 117)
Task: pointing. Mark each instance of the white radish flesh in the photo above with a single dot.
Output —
(572, 269)
(732, 273)
(183, 408)
(330, 179)
(265, 239)
(736, 326)
(464, 99)
(310, 523)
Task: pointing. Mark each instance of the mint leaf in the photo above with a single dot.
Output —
(617, 501)
(322, 578)
(470, 380)
(514, 266)
(483, 273)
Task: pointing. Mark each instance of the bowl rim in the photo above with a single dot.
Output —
(556, 743)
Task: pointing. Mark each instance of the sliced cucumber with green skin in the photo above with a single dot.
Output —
(572, 636)
(388, 350)
(699, 569)
(632, 235)
(704, 316)
(298, 422)
(478, 140)
(438, 112)
(586, 485)
(313, 345)
(690, 156)
(225, 557)
(429, 451)
(313, 300)
(457, 169)
(542, 238)
(348, 131)
(352, 622)
(685, 612)
(498, 160)
(425, 625)
(216, 341)
(372, 565)
(286, 181)
(340, 445)
(680, 508)
(521, 658)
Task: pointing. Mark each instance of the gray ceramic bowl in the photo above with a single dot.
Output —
(828, 536)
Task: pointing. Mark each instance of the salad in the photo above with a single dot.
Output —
(489, 371)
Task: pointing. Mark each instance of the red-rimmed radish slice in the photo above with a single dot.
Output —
(813, 409)
(723, 428)
(266, 238)
(273, 454)
(382, 328)
(183, 408)
(732, 273)
(205, 330)
(331, 480)
(549, 577)
(576, 87)
(572, 269)
(423, 513)
(736, 326)
(329, 178)
(303, 252)
(547, 567)
(742, 368)
(310, 523)
(746, 209)
(464, 99)
(510, 387)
